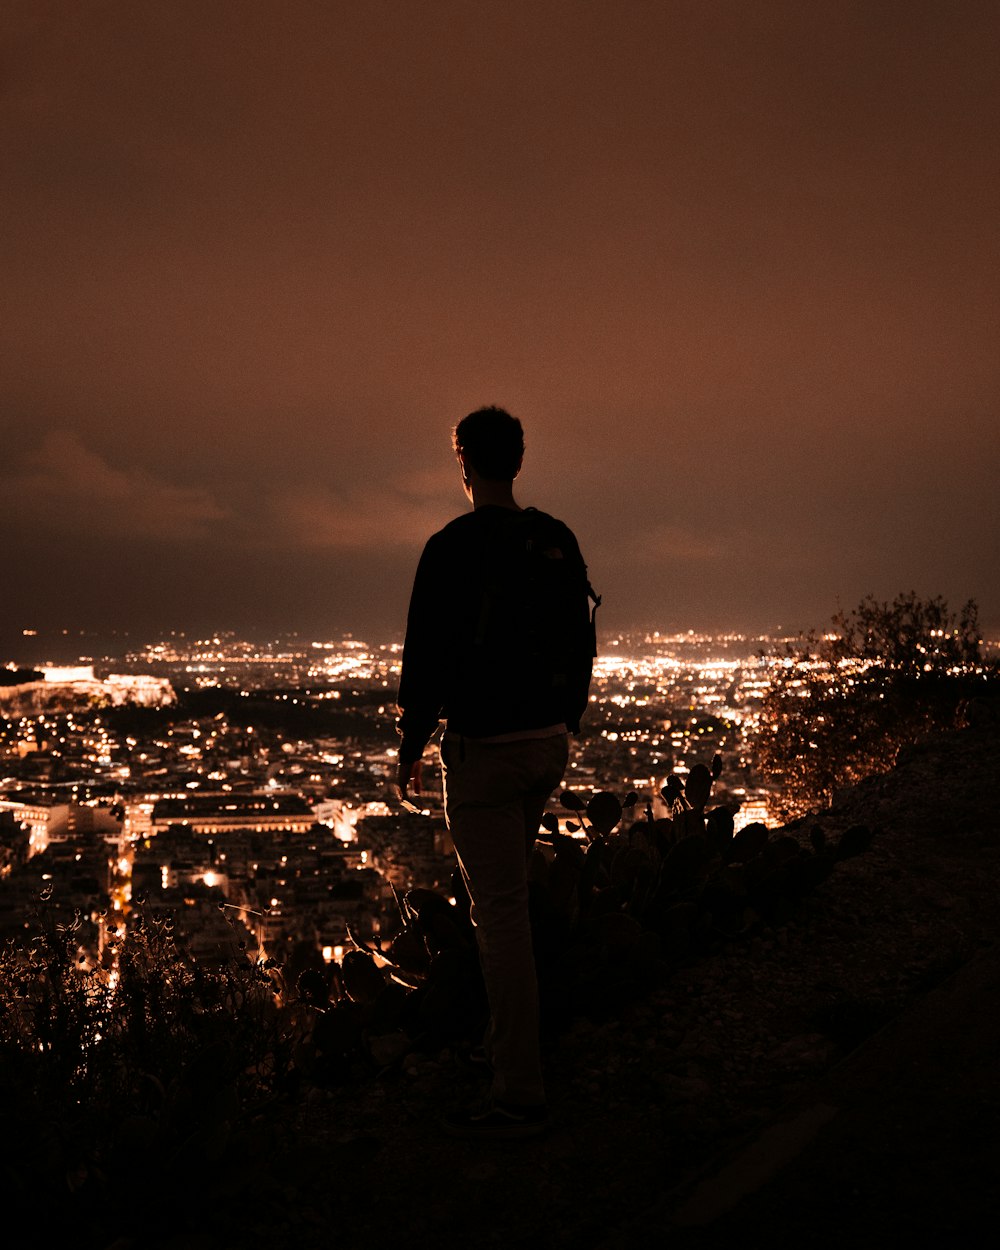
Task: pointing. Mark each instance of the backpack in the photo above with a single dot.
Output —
(534, 638)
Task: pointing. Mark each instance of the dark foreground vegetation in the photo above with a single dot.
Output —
(844, 703)
(117, 1091)
(141, 1106)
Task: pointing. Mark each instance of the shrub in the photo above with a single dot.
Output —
(114, 1085)
(841, 705)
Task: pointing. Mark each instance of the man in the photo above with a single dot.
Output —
(499, 644)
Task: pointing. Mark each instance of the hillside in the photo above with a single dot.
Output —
(645, 1099)
(654, 1095)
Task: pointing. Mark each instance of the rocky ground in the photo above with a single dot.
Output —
(646, 1097)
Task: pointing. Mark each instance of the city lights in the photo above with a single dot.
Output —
(256, 781)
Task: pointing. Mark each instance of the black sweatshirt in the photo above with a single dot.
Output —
(448, 674)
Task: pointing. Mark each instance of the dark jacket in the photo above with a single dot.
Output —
(496, 642)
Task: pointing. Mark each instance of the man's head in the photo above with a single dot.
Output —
(490, 441)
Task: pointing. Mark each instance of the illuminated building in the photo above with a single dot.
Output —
(260, 811)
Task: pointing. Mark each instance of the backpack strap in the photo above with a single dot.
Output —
(596, 600)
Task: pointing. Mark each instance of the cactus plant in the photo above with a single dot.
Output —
(628, 895)
(363, 979)
(604, 811)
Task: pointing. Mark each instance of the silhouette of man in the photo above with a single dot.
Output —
(499, 645)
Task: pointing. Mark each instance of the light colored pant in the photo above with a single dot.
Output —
(495, 794)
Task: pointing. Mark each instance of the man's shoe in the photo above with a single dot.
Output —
(497, 1122)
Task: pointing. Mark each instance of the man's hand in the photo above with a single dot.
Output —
(408, 774)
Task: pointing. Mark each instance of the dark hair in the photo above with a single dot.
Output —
(492, 442)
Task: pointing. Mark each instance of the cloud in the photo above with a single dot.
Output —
(66, 486)
(672, 543)
(400, 513)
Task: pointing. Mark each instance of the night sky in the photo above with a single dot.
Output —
(734, 263)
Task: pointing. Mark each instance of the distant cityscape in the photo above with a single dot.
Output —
(245, 789)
